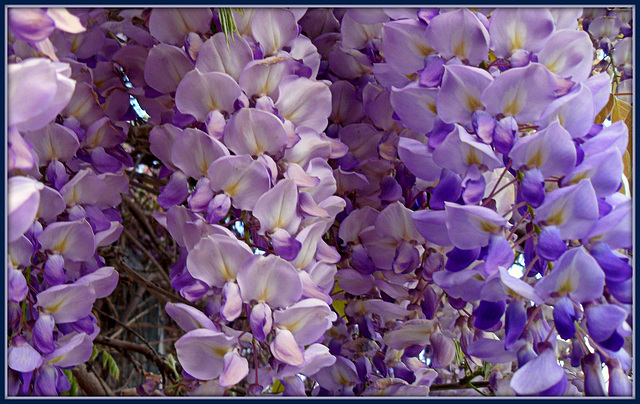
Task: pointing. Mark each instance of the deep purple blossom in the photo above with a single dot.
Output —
(368, 198)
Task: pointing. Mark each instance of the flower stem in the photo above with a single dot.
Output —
(493, 191)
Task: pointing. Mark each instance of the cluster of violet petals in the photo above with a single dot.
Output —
(66, 170)
(350, 190)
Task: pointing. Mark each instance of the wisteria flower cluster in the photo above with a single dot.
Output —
(364, 201)
(66, 170)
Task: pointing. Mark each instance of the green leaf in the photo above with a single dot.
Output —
(277, 387)
(110, 363)
(486, 369)
(95, 353)
(171, 361)
(338, 305)
(105, 358)
(228, 23)
(459, 355)
(114, 369)
(491, 57)
(73, 390)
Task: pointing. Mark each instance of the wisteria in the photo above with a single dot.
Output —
(320, 202)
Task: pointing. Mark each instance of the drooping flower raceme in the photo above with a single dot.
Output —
(66, 173)
(365, 201)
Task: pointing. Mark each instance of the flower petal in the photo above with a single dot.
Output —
(513, 29)
(171, 25)
(194, 151)
(24, 358)
(460, 93)
(232, 301)
(568, 53)
(67, 303)
(201, 352)
(261, 278)
(254, 132)
(73, 240)
(235, 368)
(200, 93)
(304, 102)
(537, 375)
(416, 106)
(217, 259)
(219, 55)
(459, 34)
(285, 348)
(187, 317)
(165, 67)
(72, 350)
(23, 203)
(511, 95)
(273, 29)
(470, 227)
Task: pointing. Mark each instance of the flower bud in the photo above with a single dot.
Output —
(593, 379)
(619, 383)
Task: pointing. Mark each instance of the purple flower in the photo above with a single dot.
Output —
(572, 209)
(67, 303)
(203, 353)
(574, 110)
(568, 53)
(405, 45)
(550, 244)
(514, 29)
(23, 202)
(259, 279)
(538, 375)
(307, 320)
(507, 94)
(472, 226)
(218, 55)
(593, 378)
(22, 357)
(200, 93)
(165, 67)
(460, 150)
(187, 317)
(217, 259)
(415, 106)
(460, 93)
(459, 34)
(38, 91)
(576, 274)
(171, 25)
(241, 178)
(255, 132)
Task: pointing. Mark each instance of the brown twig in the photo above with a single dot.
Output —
(147, 351)
(90, 383)
(141, 217)
(147, 253)
(515, 227)
(134, 303)
(135, 364)
(488, 198)
(155, 290)
(139, 185)
(523, 239)
(133, 320)
(492, 193)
